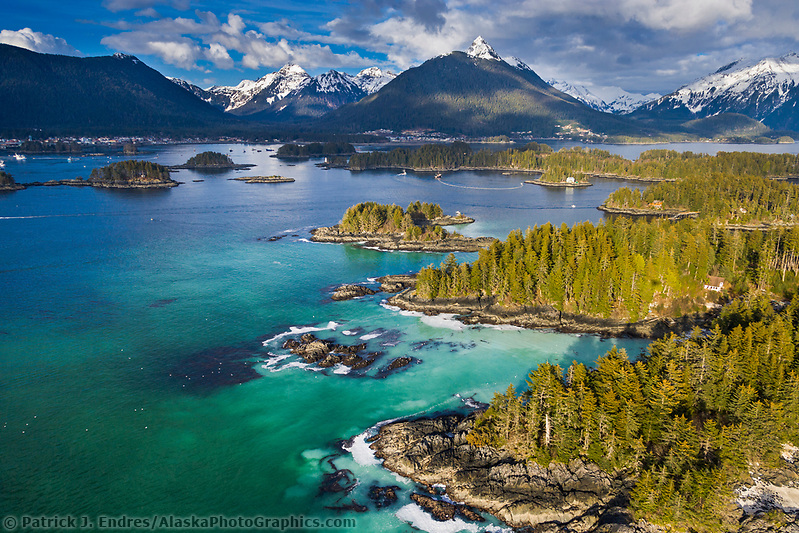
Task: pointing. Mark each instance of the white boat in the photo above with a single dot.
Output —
(403, 173)
(70, 159)
(2, 163)
(20, 157)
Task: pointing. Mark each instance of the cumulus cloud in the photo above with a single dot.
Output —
(37, 42)
(178, 51)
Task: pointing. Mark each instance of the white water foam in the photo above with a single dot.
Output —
(360, 450)
(503, 327)
(418, 518)
(445, 320)
(370, 336)
(401, 311)
(341, 369)
(295, 330)
(348, 333)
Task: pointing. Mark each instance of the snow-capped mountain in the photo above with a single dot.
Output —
(482, 50)
(262, 95)
(766, 90)
(373, 79)
(616, 100)
(250, 96)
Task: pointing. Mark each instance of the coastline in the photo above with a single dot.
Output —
(559, 184)
(674, 214)
(487, 311)
(576, 496)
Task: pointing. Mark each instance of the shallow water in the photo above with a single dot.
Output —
(141, 362)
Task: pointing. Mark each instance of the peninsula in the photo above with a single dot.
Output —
(686, 438)
(388, 227)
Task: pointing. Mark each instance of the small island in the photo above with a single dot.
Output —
(388, 227)
(264, 179)
(568, 182)
(211, 161)
(7, 182)
(132, 174)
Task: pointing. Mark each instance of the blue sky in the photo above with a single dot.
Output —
(639, 45)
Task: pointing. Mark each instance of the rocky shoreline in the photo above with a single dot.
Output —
(577, 497)
(485, 310)
(673, 214)
(396, 241)
(99, 184)
(573, 497)
(234, 166)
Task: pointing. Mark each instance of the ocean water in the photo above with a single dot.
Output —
(141, 363)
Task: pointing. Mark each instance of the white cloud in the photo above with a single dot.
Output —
(37, 42)
(179, 51)
(219, 55)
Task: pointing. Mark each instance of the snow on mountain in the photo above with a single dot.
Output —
(518, 63)
(482, 50)
(252, 96)
(372, 79)
(614, 100)
(266, 90)
(759, 90)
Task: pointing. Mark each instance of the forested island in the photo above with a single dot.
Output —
(651, 165)
(264, 179)
(689, 436)
(389, 227)
(131, 174)
(211, 161)
(305, 151)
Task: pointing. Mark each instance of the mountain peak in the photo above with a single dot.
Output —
(482, 50)
(291, 68)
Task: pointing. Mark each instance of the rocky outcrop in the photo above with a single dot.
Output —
(394, 242)
(350, 291)
(562, 497)
(7, 182)
(397, 282)
(325, 354)
(486, 310)
(672, 214)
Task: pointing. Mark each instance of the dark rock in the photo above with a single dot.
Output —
(330, 360)
(399, 362)
(291, 344)
(383, 496)
(348, 292)
(440, 510)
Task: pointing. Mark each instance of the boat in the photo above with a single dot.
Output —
(20, 157)
(2, 163)
(70, 159)
(403, 173)
(438, 176)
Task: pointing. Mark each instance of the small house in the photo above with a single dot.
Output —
(715, 283)
(571, 179)
(657, 204)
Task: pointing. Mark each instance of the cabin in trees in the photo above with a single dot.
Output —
(715, 283)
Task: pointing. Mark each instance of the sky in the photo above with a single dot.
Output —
(641, 46)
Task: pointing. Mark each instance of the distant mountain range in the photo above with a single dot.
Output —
(767, 91)
(291, 93)
(620, 102)
(476, 93)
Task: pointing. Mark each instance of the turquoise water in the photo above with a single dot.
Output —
(140, 372)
